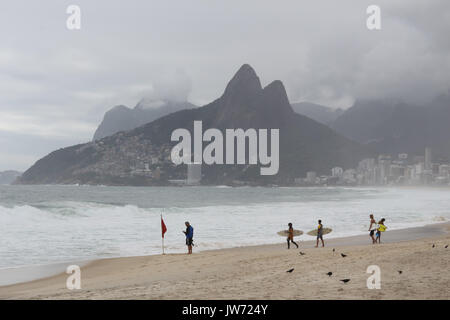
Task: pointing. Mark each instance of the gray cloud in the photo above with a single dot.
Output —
(55, 84)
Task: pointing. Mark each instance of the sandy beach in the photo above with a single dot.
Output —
(259, 272)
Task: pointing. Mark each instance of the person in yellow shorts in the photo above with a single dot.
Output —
(381, 228)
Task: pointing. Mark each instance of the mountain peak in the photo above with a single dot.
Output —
(244, 82)
(276, 95)
(119, 107)
(246, 70)
(276, 87)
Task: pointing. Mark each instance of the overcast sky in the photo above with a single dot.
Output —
(56, 84)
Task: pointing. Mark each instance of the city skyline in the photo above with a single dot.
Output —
(386, 170)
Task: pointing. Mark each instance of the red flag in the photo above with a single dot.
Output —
(163, 227)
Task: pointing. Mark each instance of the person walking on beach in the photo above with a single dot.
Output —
(189, 236)
(381, 228)
(372, 228)
(290, 237)
(320, 234)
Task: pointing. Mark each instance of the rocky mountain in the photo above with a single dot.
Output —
(394, 127)
(322, 114)
(142, 156)
(122, 118)
(8, 177)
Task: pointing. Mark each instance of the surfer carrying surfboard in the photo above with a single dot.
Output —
(381, 228)
(320, 234)
(290, 237)
(372, 228)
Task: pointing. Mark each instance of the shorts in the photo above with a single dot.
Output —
(378, 233)
(319, 236)
(189, 241)
(372, 232)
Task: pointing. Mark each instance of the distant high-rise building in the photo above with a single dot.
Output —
(444, 170)
(349, 176)
(337, 172)
(194, 173)
(396, 172)
(366, 165)
(435, 168)
(311, 177)
(384, 165)
(428, 159)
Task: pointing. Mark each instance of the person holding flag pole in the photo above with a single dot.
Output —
(163, 231)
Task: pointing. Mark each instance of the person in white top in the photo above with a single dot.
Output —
(372, 228)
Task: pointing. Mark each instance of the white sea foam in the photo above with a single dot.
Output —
(41, 225)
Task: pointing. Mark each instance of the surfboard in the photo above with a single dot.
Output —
(285, 233)
(314, 232)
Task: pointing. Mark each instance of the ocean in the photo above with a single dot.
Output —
(51, 224)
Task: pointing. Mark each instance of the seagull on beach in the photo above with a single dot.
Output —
(343, 255)
(446, 247)
(345, 280)
(329, 274)
(433, 245)
(334, 249)
(400, 271)
(302, 253)
(290, 270)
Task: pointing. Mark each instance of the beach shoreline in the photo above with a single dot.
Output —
(224, 273)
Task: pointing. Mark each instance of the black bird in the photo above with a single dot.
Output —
(302, 253)
(329, 274)
(343, 255)
(345, 280)
(290, 270)
(446, 247)
(433, 245)
(334, 249)
(400, 271)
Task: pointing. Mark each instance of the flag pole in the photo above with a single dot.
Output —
(162, 238)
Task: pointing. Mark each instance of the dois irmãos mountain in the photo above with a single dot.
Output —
(142, 156)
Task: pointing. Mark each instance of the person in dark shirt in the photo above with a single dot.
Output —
(189, 236)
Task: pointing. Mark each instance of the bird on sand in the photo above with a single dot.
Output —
(343, 255)
(345, 280)
(290, 270)
(302, 253)
(329, 274)
(400, 271)
(446, 247)
(433, 245)
(334, 249)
